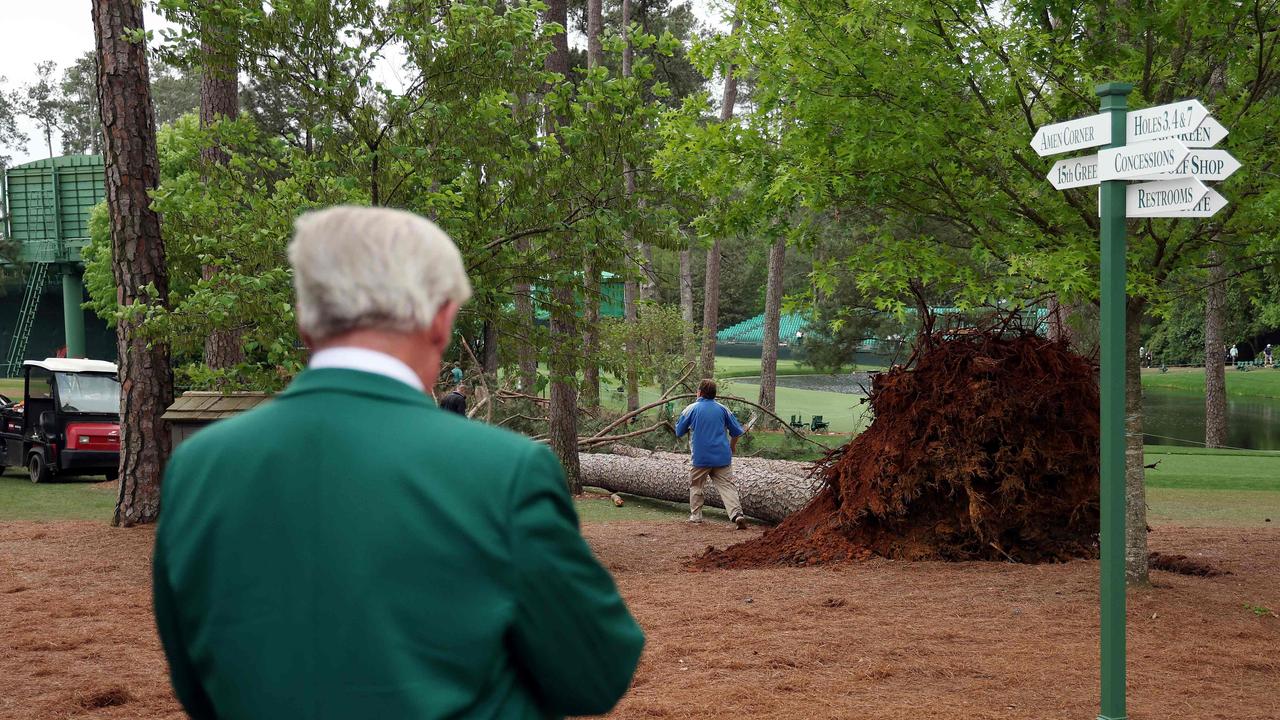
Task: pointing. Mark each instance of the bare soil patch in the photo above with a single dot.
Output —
(885, 639)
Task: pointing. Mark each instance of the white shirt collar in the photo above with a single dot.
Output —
(365, 360)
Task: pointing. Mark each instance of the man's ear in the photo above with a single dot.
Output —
(442, 325)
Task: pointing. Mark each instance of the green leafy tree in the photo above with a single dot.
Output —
(10, 137)
(80, 120)
(41, 101)
(654, 343)
(914, 118)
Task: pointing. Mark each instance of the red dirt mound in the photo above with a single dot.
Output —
(985, 447)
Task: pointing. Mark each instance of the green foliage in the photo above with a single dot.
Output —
(79, 119)
(235, 219)
(10, 136)
(41, 101)
(1259, 610)
(174, 91)
(456, 136)
(655, 344)
(99, 278)
(1178, 338)
(911, 120)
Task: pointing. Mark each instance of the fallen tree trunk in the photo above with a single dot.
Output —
(765, 465)
(769, 494)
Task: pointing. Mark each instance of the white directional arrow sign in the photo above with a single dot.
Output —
(1203, 165)
(1209, 133)
(1156, 199)
(1163, 121)
(1141, 160)
(1074, 172)
(1208, 206)
(1085, 132)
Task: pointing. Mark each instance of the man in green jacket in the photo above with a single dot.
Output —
(348, 550)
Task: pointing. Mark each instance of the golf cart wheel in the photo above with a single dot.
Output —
(113, 475)
(38, 469)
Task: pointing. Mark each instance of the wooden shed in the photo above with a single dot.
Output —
(195, 409)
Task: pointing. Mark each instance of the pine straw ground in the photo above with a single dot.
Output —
(876, 639)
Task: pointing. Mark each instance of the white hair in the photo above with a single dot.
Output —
(372, 268)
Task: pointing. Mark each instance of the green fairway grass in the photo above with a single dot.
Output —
(1189, 487)
(845, 413)
(11, 387)
(1200, 469)
(1213, 508)
(1258, 382)
(596, 507)
(20, 499)
(81, 499)
(1199, 487)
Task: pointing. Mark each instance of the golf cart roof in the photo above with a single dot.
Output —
(73, 365)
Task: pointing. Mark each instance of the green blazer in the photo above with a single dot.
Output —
(349, 551)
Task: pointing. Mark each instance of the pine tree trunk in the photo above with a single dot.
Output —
(219, 100)
(766, 493)
(710, 312)
(1215, 376)
(772, 319)
(631, 313)
(590, 337)
(648, 286)
(630, 290)
(562, 411)
(137, 249)
(595, 29)
(527, 327)
(1135, 560)
(686, 297)
(628, 51)
(711, 284)
(591, 294)
(1215, 320)
(489, 336)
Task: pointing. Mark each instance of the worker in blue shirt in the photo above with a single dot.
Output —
(715, 438)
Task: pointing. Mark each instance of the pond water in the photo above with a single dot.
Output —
(848, 383)
(1171, 417)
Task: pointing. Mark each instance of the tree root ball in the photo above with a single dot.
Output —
(984, 447)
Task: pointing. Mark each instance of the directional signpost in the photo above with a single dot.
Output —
(1155, 199)
(1163, 121)
(1206, 165)
(1209, 133)
(1078, 134)
(1208, 206)
(1200, 164)
(1161, 149)
(1129, 162)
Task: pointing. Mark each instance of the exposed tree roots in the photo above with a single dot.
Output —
(985, 447)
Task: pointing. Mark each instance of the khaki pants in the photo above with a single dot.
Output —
(722, 478)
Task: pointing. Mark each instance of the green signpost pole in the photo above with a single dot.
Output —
(1112, 196)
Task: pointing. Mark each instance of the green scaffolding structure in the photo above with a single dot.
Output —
(45, 212)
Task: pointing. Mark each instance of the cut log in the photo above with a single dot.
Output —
(767, 494)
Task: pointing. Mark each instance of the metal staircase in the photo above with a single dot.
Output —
(36, 282)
